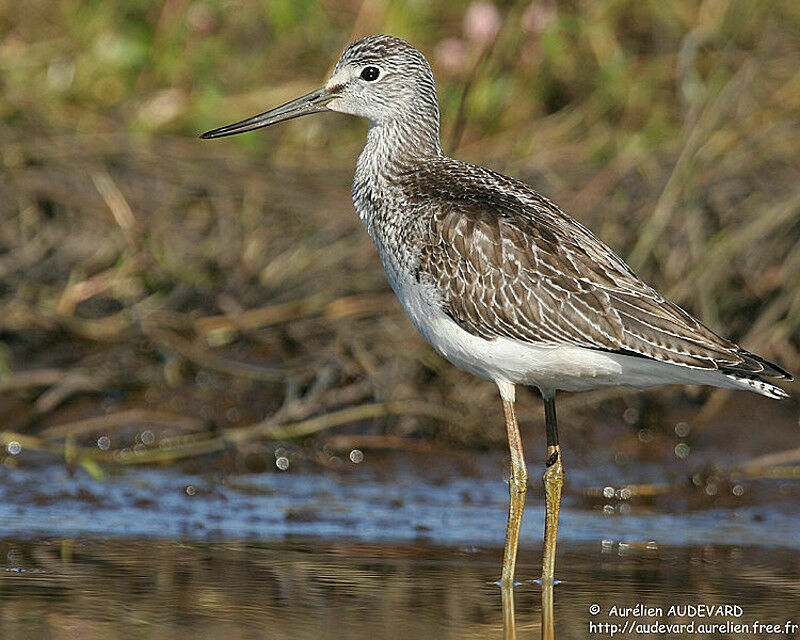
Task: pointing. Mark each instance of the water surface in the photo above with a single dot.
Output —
(402, 545)
(308, 589)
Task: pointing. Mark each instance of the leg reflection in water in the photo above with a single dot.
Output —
(509, 622)
(547, 610)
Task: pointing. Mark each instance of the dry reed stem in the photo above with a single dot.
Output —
(197, 444)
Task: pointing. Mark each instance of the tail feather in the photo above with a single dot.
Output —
(753, 373)
(757, 384)
(755, 364)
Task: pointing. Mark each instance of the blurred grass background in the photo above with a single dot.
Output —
(218, 293)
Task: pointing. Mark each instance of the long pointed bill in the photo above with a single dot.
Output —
(313, 102)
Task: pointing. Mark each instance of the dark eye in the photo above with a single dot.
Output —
(370, 73)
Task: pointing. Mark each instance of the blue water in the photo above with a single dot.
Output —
(362, 503)
(396, 547)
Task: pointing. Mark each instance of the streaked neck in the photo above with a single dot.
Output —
(395, 145)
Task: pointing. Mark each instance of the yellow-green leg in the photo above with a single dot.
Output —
(553, 482)
(518, 485)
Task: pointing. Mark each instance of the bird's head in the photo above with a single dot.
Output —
(381, 78)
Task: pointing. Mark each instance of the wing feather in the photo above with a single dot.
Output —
(508, 262)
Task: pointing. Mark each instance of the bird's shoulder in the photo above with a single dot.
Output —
(504, 227)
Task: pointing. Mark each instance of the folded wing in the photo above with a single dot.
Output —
(510, 263)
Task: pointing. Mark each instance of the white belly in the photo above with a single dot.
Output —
(549, 367)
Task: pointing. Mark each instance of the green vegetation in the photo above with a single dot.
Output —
(215, 287)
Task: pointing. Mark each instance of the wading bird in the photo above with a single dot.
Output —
(497, 277)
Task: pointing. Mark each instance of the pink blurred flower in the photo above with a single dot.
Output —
(482, 21)
(538, 16)
(451, 56)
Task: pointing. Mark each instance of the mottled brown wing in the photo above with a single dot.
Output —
(510, 263)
